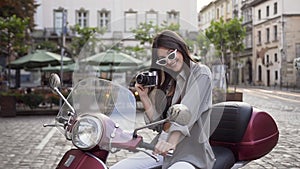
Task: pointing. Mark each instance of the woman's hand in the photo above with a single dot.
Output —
(143, 91)
(163, 147)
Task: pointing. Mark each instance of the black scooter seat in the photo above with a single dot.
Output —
(224, 157)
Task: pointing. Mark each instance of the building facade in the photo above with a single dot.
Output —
(246, 76)
(214, 11)
(119, 17)
(271, 42)
(275, 42)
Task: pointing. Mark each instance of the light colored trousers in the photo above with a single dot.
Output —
(143, 161)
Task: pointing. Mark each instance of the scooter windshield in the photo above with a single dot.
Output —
(101, 86)
(95, 95)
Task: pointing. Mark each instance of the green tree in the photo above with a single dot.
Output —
(203, 44)
(16, 21)
(47, 45)
(227, 36)
(236, 38)
(146, 30)
(85, 35)
(13, 38)
(218, 35)
(21, 8)
(172, 26)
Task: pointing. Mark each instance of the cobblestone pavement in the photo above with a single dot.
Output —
(25, 144)
(284, 107)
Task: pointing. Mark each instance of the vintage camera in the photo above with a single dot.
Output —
(147, 79)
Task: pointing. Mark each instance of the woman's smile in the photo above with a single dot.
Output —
(173, 64)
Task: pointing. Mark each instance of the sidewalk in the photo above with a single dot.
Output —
(288, 89)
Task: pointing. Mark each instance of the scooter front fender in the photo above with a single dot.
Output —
(77, 159)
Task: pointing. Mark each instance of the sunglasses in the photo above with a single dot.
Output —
(171, 56)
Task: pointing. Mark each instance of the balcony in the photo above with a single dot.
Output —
(51, 33)
(268, 64)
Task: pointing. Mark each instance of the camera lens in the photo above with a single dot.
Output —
(141, 79)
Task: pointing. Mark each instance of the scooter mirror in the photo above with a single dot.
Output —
(180, 114)
(54, 81)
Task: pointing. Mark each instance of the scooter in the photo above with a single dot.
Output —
(99, 116)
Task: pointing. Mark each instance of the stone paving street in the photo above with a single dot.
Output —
(26, 144)
(284, 107)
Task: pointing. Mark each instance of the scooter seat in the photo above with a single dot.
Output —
(224, 157)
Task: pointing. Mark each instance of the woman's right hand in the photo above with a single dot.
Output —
(143, 91)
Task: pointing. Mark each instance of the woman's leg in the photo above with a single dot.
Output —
(138, 161)
(181, 165)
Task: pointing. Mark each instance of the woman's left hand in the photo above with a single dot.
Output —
(163, 147)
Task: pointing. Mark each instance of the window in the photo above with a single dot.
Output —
(259, 37)
(248, 40)
(104, 19)
(218, 13)
(267, 59)
(247, 15)
(82, 18)
(259, 73)
(276, 75)
(130, 20)
(228, 9)
(275, 33)
(173, 17)
(268, 35)
(222, 11)
(151, 16)
(275, 57)
(267, 11)
(59, 19)
(297, 50)
(259, 14)
(275, 8)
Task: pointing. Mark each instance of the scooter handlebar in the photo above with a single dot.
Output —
(147, 146)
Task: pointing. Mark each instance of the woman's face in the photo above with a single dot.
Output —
(172, 62)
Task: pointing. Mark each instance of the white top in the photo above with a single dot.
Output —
(194, 146)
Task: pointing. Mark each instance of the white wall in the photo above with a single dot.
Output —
(44, 15)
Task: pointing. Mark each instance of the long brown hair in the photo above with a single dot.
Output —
(170, 40)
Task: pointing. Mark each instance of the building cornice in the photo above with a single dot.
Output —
(257, 2)
(258, 23)
(290, 15)
(207, 6)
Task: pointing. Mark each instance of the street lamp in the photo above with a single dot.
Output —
(63, 34)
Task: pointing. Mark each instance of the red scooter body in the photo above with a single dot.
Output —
(243, 133)
(78, 159)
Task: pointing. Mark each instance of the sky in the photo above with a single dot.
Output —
(201, 3)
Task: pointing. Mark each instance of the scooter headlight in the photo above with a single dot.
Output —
(87, 132)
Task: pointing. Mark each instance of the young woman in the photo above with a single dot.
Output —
(181, 81)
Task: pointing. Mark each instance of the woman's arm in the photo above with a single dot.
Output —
(162, 147)
(146, 101)
(143, 93)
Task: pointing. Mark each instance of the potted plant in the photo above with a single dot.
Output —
(7, 104)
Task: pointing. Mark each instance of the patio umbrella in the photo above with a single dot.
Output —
(113, 58)
(66, 68)
(39, 58)
(112, 61)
